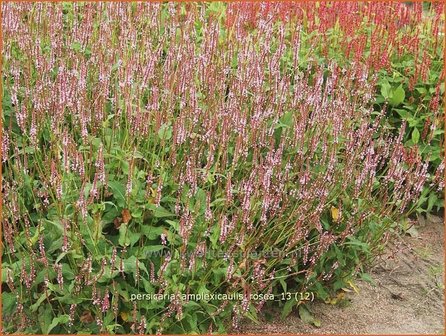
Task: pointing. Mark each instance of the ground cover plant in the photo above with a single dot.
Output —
(246, 150)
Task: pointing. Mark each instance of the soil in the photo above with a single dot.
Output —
(407, 296)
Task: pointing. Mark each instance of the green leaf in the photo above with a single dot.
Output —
(76, 46)
(214, 236)
(203, 290)
(152, 232)
(45, 317)
(404, 114)
(124, 239)
(287, 308)
(317, 323)
(174, 224)
(421, 90)
(415, 136)
(118, 192)
(307, 317)
(161, 212)
(398, 96)
(287, 119)
(367, 277)
(42, 298)
(8, 303)
(127, 236)
(54, 224)
(152, 248)
(284, 285)
(165, 132)
(62, 319)
(385, 89)
(431, 201)
(219, 274)
(130, 265)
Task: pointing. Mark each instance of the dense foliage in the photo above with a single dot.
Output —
(236, 149)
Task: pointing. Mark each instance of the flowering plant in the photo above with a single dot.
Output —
(171, 149)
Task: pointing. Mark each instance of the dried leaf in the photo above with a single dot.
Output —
(86, 317)
(124, 316)
(338, 298)
(335, 213)
(242, 264)
(412, 231)
(126, 216)
(352, 285)
(152, 193)
(117, 222)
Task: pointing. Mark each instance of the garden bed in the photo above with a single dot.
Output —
(180, 167)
